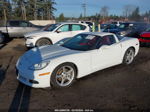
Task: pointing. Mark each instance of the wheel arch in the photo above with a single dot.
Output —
(76, 68)
(61, 65)
(131, 47)
(43, 38)
(69, 63)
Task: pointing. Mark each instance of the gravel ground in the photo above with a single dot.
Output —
(119, 88)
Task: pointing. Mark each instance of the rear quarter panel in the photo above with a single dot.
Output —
(127, 43)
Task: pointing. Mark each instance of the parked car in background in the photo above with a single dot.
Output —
(46, 27)
(102, 27)
(85, 53)
(112, 28)
(137, 29)
(144, 38)
(117, 23)
(89, 23)
(55, 33)
(17, 28)
(122, 29)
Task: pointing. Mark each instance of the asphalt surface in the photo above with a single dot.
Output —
(117, 89)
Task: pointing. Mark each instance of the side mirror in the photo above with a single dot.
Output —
(58, 31)
(105, 47)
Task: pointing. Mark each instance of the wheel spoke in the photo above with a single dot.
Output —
(69, 77)
(70, 71)
(130, 55)
(62, 82)
(64, 69)
(66, 76)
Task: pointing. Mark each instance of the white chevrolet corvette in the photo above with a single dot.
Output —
(85, 53)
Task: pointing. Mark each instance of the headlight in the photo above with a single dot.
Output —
(39, 66)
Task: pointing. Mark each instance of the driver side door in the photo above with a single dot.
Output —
(108, 54)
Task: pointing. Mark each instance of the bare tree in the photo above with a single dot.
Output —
(104, 12)
(23, 8)
(127, 10)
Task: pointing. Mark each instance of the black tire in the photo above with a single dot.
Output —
(129, 56)
(55, 80)
(43, 42)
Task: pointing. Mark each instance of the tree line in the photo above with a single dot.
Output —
(27, 9)
(44, 10)
(129, 13)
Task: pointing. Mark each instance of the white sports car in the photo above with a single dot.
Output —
(85, 53)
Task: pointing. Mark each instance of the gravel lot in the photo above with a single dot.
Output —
(120, 88)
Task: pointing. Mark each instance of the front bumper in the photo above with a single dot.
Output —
(33, 80)
(29, 43)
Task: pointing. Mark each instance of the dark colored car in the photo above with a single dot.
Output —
(112, 28)
(122, 29)
(102, 27)
(137, 29)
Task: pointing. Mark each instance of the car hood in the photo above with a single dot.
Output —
(46, 53)
(37, 33)
(146, 33)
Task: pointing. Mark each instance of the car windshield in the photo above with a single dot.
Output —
(122, 26)
(51, 27)
(46, 27)
(111, 26)
(82, 42)
(148, 30)
(125, 26)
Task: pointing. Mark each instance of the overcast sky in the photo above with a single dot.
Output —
(73, 8)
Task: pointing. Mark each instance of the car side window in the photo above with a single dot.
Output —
(112, 39)
(107, 40)
(24, 24)
(64, 28)
(76, 27)
(30, 25)
(13, 24)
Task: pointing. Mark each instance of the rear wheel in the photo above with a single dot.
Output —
(129, 56)
(63, 76)
(43, 42)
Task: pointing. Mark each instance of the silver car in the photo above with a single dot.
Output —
(17, 28)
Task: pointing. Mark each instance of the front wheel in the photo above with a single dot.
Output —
(43, 42)
(63, 76)
(129, 56)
